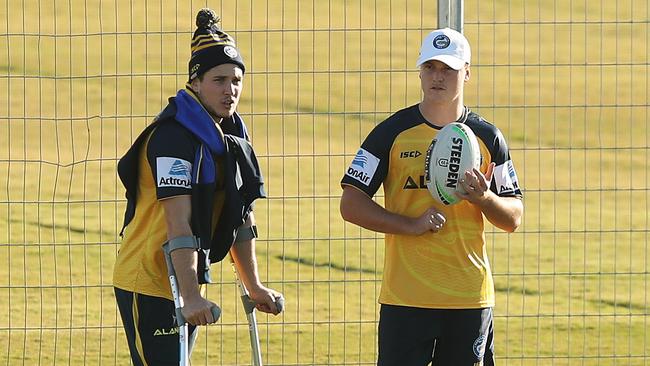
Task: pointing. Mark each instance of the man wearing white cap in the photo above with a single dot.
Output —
(437, 291)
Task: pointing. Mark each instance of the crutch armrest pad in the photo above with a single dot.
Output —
(246, 233)
(180, 243)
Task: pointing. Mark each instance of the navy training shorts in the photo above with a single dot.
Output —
(411, 336)
(151, 329)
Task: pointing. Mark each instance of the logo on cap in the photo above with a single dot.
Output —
(441, 41)
(230, 51)
(193, 71)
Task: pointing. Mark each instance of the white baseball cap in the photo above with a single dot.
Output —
(446, 45)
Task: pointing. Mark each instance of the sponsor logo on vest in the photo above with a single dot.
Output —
(171, 181)
(173, 172)
(411, 184)
(454, 162)
(503, 189)
(165, 332)
(409, 154)
(363, 167)
(360, 160)
(358, 174)
(505, 178)
(513, 175)
(178, 175)
(178, 169)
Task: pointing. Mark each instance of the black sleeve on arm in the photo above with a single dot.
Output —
(170, 152)
(504, 180)
(369, 167)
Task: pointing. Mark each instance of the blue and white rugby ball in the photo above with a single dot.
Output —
(454, 151)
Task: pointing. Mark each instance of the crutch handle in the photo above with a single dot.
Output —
(216, 312)
(279, 303)
(249, 304)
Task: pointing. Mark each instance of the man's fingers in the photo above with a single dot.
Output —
(436, 220)
(211, 316)
(490, 172)
(270, 302)
(475, 182)
(267, 308)
(204, 316)
(439, 217)
(198, 319)
(484, 179)
(482, 182)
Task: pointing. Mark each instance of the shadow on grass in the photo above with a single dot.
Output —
(598, 302)
(620, 304)
(68, 228)
(335, 266)
(517, 290)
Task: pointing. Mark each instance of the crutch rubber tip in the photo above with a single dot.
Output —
(279, 303)
(216, 313)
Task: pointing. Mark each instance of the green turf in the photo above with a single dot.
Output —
(566, 82)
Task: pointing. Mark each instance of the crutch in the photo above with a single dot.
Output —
(178, 304)
(249, 308)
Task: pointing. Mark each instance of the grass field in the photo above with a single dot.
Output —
(566, 82)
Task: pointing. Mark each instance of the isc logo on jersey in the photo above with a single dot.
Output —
(173, 172)
(363, 167)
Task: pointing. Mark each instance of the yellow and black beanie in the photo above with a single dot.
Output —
(211, 46)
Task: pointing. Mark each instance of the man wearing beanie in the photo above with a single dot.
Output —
(183, 177)
(437, 292)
